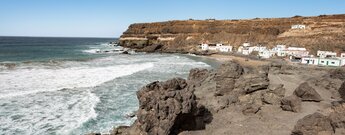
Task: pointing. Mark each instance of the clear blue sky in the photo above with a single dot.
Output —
(109, 18)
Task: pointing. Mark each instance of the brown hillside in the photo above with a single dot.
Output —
(324, 32)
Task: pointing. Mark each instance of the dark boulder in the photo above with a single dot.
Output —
(198, 75)
(230, 70)
(169, 107)
(150, 48)
(291, 103)
(226, 76)
(338, 73)
(255, 82)
(125, 52)
(307, 93)
(337, 116)
(313, 124)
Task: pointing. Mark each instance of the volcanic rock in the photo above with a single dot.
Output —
(271, 98)
(291, 103)
(338, 73)
(337, 116)
(151, 48)
(169, 107)
(313, 124)
(307, 93)
(226, 77)
(198, 75)
(253, 82)
(342, 91)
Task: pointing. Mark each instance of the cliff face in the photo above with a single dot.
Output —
(326, 32)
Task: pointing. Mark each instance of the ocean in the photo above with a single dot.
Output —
(62, 86)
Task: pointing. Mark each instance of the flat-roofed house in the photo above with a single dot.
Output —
(310, 61)
(280, 50)
(326, 54)
(297, 51)
(298, 26)
(335, 62)
(216, 47)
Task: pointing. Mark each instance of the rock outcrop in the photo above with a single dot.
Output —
(198, 75)
(337, 117)
(291, 103)
(166, 108)
(322, 33)
(150, 49)
(226, 77)
(307, 93)
(313, 124)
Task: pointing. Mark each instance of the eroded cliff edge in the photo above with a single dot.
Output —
(324, 32)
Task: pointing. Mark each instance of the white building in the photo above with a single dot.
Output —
(298, 26)
(336, 61)
(296, 52)
(326, 54)
(216, 47)
(267, 54)
(204, 47)
(246, 49)
(246, 44)
(225, 48)
(310, 61)
(280, 50)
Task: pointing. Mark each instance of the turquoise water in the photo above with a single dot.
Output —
(61, 86)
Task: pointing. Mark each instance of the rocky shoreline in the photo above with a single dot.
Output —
(238, 99)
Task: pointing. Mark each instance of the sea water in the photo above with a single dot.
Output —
(62, 86)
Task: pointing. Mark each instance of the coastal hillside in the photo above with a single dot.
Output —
(324, 32)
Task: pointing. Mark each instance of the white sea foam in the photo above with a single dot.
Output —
(58, 112)
(27, 81)
(91, 51)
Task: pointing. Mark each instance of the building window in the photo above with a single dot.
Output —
(333, 62)
(322, 61)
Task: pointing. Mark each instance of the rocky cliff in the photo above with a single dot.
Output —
(235, 99)
(325, 32)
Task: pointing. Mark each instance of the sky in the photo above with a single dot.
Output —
(110, 18)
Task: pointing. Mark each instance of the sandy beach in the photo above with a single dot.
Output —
(241, 60)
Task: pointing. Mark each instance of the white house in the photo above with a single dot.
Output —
(204, 47)
(330, 62)
(246, 49)
(267, 54)
(323, 61)
(280, 50)
(246, 44)
(296, 52)
(225, 48)
(326, 54)
(298, 26)
(216, 47)
(310, 61)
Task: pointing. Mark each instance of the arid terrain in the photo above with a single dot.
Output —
(244, 96)
(239, 99)
(324, 32)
